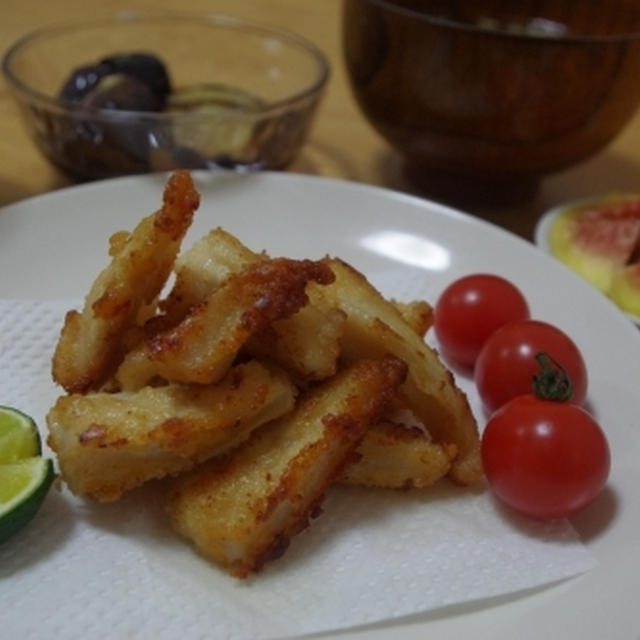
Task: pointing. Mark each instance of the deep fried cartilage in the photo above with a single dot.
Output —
(418, 314)
(374, 327)
(199, 271)
(90, 343)
(136, 371)
(201, 348)
(203, 268)
(306, 344)
(243, 510)
(395, 456)
(109, 443)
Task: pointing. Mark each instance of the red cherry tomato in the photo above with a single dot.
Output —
(507, 362)
(547, 459)
(470, 309)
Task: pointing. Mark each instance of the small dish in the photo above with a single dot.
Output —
(233, 94)
(595, 269)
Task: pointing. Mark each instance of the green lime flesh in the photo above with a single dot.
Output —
(23, 487)
(19, 437)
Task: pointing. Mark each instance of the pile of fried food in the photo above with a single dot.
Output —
(250, 384)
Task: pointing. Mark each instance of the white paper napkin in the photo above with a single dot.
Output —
(83, 570)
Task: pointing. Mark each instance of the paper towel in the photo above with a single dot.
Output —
(84, 570)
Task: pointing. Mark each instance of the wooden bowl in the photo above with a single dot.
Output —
(490, 96)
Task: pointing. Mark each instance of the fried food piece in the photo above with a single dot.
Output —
(136, 371)
(242, 511)
(418, 314)
(395, 456)
(374, 328)
(203, 268)
(306, 344)
(90, 343)
(202, 347)
(109, 443)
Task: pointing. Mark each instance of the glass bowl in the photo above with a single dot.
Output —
(241, 95)
(485, 96)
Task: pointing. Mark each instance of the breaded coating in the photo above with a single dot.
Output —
(250, 388)
(136, 371)
(374, 327)
(108, 443)
(395, 456)
(307, 343)
(241, 511)
(203, 268)
(90, 343)
(418, 314)
(201, 348)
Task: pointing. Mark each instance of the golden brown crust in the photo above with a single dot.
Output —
(375, 327)
(90, 345)
(107, 443)
(418, 314)
(202, 269)
(306, 343)
(180, 200)
(243, 510)
(162, 390)
(200, 348)
(395, 456)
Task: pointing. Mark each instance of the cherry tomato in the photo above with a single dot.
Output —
(507, 362)
(547, 459)
(470, 309)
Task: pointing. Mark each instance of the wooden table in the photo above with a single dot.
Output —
(342, 143)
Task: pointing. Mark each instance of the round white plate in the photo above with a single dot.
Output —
(52, 247)
(543, 228)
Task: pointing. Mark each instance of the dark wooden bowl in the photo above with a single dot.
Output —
(493, 92)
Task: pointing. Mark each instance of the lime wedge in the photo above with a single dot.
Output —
(19, 437)
(25, 477)
(23, 487)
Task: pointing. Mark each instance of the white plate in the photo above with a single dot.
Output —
(52, 246)
(543, 228)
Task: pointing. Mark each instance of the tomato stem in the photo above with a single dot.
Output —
(552, 382)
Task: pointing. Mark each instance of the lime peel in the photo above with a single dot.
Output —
(20, 508)
(25, 476)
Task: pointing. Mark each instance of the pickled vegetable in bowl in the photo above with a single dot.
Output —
(140, 82)
(136, 94)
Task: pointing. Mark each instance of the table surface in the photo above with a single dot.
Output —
(342, 143)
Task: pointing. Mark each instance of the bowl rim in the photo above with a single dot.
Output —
(213, 20)
(541, 35)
